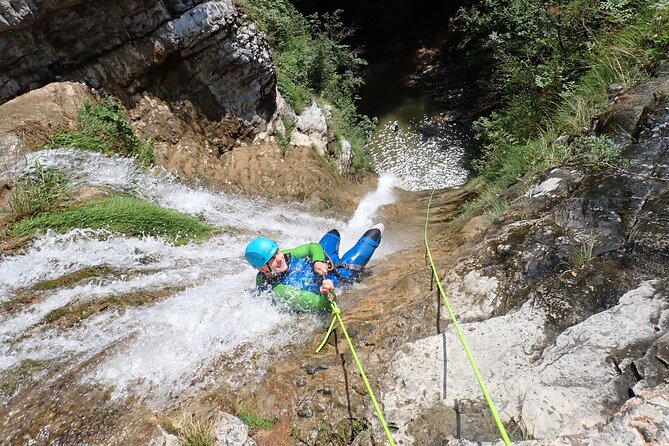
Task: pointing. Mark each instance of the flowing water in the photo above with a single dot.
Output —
(424, 153)
(414, 139)
(207, 326)
(210, 311)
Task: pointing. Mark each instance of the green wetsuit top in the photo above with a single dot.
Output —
(299, 286)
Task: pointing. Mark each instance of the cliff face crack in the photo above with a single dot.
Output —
(662, 361)
(635, 219)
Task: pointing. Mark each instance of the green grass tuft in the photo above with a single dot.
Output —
(41, 191)
(196, 433)
(253, 421)
(126, 215)
(103, 128)
(582, 254)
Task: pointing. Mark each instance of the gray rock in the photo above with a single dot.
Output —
(562, 140)
(230, 431)
(162, 438)
(580, 382)
(546, 187)
(363, 439)
(305, 412)
(345, 157)
(614, 89)
(311, 129)
(204, 52)
(623, 121)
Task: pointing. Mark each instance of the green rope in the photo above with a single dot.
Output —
(327, 335)
(337, 317)
(491, 405)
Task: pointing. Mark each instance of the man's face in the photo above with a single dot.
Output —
(276, 265)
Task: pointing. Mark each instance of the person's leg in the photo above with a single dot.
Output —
(330, 243)
(355, 259)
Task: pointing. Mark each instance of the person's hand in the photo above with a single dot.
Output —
(320, 268)
(327, 286)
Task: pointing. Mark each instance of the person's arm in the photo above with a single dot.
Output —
(312, 250)
(315, 252)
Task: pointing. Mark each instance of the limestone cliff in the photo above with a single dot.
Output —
(205, 52)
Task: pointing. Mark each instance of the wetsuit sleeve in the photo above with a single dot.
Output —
(312, 250)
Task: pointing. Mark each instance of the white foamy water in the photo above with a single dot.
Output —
(165, 345)
(423, 155)
(363, 217)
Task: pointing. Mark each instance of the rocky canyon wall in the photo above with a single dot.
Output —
(205, 52)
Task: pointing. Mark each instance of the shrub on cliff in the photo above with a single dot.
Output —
(102, 127)
(312, 61)
(551, 65)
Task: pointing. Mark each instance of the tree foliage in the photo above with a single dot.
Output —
(312, 61)
(550, 63)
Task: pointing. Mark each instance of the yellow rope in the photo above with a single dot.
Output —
(491, 405)
(337, 317)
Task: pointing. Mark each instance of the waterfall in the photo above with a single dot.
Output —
(212, 310)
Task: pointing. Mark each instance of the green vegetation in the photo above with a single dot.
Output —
(41, 191)
(195, 433)
(595, 151)
(248, 413)
(103, 128)
(342, 434)
(253, 421)
(551, 66)
(582, 254)
(75, 277)
(312, 62)
(495, 209)
(283, 142)
(70, 315)
(488, 198)
(121, 214)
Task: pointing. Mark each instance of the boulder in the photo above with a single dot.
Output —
(345, 157)
(311, 129)
(230, 431)
(29, 121)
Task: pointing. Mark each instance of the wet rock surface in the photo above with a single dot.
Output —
(570, 285)
(187, 145)
(563, 301)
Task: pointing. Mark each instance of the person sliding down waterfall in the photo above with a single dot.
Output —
(302, 277)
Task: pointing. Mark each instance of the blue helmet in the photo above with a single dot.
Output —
(260, 251)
